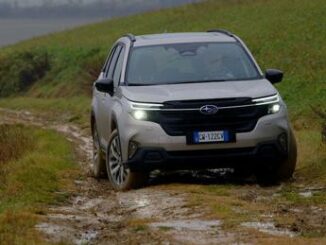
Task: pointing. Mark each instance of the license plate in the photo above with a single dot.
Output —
(211, 136)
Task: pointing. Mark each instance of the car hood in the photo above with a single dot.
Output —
(199, 91)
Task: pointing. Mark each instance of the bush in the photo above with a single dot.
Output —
(19, 71)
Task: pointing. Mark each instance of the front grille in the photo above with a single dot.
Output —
(199, 103)
(183, 122)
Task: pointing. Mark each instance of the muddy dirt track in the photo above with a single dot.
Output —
(157, 214)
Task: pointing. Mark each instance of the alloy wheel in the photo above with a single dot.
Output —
(118, 171)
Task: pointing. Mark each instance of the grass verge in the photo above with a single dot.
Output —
(75, 109)
(37, 166)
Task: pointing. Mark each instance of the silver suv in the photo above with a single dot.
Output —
(188, 101)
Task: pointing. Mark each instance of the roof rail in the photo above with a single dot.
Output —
(131, 37)
(222, 31)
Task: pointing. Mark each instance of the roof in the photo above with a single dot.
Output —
(191, 37)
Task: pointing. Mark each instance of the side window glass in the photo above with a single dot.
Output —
(107, 62)
(118, 68)
(113, 62)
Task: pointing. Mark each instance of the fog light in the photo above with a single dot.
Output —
(139, 115)
(133, 146)
(283, 141)
(274, 108)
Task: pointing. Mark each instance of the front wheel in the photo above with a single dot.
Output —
(120, 176)
(284, 170)
(98, 159)
(287, 168)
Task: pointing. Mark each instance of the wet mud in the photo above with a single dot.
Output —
(95, 214)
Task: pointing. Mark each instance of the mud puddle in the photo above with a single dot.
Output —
(269, 228)
(194, 225)
(195, 231)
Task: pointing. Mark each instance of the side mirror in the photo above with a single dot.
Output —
(274, 75)
(104, 85)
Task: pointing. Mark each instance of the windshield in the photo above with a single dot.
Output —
(189, 63)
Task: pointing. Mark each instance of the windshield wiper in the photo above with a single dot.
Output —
(200, 81)
(153, 84)
(142, 84)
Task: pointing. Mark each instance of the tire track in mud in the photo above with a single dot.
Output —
(95, 214)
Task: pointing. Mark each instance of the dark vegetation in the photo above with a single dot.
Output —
(21, 70)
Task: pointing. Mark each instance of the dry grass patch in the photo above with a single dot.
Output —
(15, 228)
(37, 170)
(14, 142)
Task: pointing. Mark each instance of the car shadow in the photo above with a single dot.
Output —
(201, 177)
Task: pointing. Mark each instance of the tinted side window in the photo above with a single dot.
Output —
(109, 72)
(117, 71)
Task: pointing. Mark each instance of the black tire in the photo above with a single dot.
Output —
(98, 166)
(282, 171)
(287, 167)
(121, 178)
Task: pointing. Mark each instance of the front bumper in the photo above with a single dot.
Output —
(149, 135)
(148, 159)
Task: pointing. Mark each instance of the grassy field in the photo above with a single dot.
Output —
(53, 75)
(35, 166)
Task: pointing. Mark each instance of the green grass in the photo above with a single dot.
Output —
(31, 179)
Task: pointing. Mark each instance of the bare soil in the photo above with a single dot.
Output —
(161, 213)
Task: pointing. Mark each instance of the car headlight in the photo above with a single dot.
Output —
(273, 99)
(140, 110)
(273, 103)
(139, 115)
(274, 108)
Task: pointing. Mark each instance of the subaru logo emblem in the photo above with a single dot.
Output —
(209, 109)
